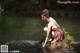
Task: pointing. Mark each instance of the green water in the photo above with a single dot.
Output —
(31, 28)
(17, 30)
(20, 28)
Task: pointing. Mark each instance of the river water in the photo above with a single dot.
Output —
(24, 33)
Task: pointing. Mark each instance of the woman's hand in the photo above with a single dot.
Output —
(43, 45)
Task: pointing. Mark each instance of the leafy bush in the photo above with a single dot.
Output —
(68, 37)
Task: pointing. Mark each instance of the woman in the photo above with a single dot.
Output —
(52, 27)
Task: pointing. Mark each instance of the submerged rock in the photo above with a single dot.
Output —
(23, 42)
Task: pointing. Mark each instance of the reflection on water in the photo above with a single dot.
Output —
(62, 50)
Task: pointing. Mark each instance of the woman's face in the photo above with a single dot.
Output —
(43, 17)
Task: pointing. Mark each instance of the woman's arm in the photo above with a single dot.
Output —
(45, 42)
(48, 33)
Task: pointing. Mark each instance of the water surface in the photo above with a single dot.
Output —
(16, 30)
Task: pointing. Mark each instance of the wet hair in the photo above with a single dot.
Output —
(45, 12)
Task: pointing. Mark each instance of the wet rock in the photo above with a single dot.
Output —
(22, 42)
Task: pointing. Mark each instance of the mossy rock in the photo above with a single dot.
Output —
(75, 46)
(57, 45)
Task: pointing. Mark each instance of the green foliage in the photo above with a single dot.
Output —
(18, 6)
(34, 6)
(68, 37)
